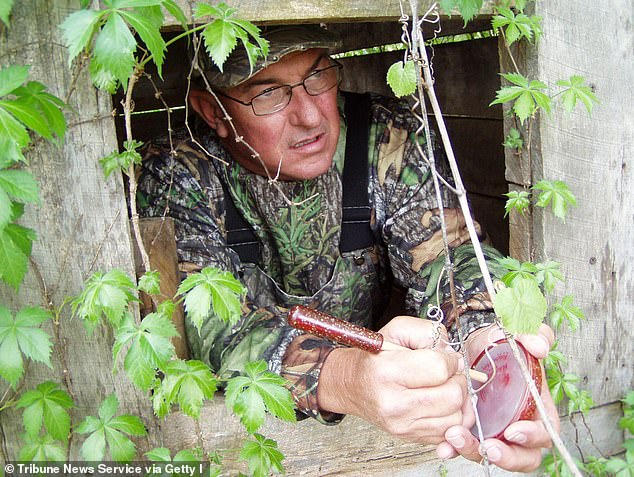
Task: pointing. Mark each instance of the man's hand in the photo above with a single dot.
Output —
(524, 439)
(416, 394)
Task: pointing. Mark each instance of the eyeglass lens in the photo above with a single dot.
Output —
(276, 99)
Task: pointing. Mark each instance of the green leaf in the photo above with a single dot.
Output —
(46, 405)
(402, 78)
(19, 185)
(580, 401)
(13, 130)
(221, 35)
(518, 25)
(101, 77)
(627, 421)
(104, 294)
(129, 424)
(527, 96)
(175, 10)
(148, 27)
(562, 384)
(50, 107)
(114, 49)
(11, 77)
(513, 140)
(518, 201)
(162, 455)
(159, 454)
(109, 432)
(15, 250)
(220, 39)
(262, 456)
(620, 467)
(548, 273)
(521, 307)
(215, 289)
(122, 160)
(558, 195)
(259, 391)
(150, 347)
(525, 270)
(78, 29)
(566, 311)
(41, 449)
(576, 90)
(188, 383)
(596, 466)
(628, 400)
(467, 8)
(150, 282)
(5, 10)
(19, 336)
(27, 115)
(554, 359)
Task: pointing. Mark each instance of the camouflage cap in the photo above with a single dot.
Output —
(282, 41)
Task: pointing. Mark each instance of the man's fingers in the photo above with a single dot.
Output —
(528, 433)
(431, 367)
(520, 457)
(445, 451)
(463, 442)
(415, 333)
(512, 457)
(538, 345)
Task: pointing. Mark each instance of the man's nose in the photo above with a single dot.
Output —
(304, 110)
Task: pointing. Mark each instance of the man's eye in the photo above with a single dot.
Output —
(317, 74)
(269, 92)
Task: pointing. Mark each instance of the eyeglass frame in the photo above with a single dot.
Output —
(334, 64)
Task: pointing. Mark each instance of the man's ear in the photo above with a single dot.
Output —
(207, 108)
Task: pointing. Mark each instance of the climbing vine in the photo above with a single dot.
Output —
(116, 43)
(521, 303)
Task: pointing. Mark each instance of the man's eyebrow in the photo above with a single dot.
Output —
(265, 80)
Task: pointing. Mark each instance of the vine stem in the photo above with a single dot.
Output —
(462, 198)
(134, 213)
(419, 55)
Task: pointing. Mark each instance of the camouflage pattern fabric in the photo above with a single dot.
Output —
(300, 262)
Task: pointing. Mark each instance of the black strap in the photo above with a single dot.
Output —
(240, 235)
(356, 212)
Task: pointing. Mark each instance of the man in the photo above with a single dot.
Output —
(308, 207)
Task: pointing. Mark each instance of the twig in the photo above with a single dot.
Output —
(483, 266)
(418, 57)
(134, 213)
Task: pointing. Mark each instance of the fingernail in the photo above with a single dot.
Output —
(457, 441)
(539, 343)
(460, 364)
(444, 453)
(493, 453)
(518, 438)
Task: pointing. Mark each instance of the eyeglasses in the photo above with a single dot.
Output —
(273, 100)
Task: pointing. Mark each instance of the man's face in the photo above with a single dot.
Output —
(303, 136)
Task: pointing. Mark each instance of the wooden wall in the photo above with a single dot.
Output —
(81, 223)
(593, 155)
(83, 227)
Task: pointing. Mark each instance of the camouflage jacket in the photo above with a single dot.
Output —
(298, 227)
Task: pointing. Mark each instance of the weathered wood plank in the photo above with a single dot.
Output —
(81, 224)
(298, 11)
(355, 448)
(593, 155)
(160, 244)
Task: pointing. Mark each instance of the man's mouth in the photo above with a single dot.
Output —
(305, 142)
